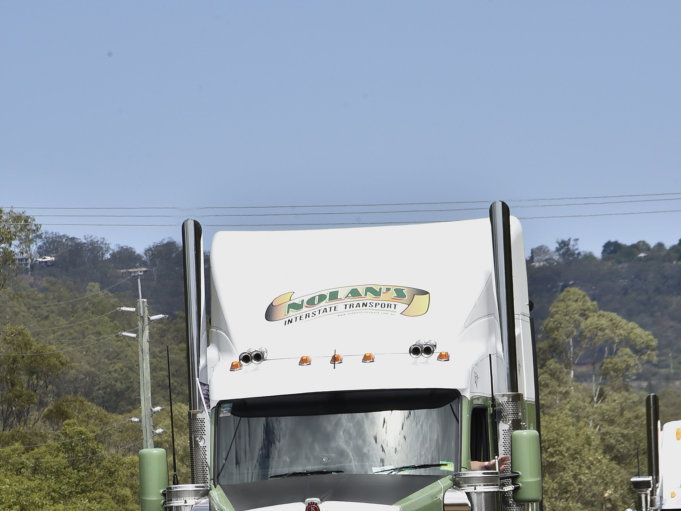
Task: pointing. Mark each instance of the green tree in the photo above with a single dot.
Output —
(563, 328)
(568, 249)
(18, 233)
(27, 369)
(576, 332)
(73, 470)
(618, 349)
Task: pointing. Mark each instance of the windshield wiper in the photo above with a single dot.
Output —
(306, 473)
(389, 470)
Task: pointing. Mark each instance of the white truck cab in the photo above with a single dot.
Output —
(362, 368)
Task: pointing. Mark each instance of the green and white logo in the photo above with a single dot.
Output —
(348, 299)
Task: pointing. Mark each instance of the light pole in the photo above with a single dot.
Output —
(143, 351)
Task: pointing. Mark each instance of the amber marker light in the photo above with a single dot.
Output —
(336, 358)
(443, 356)
(236, 365)
(305, 360)
(368, 357)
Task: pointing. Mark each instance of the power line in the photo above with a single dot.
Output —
(587, 197)
(435, 210)
(327, 213)
(75, 323)
(351, 223)
(338, 205)
(98, 215)
(392, 212)
(370, 212)
(90, 224)
(624, 213)
(80, 298)
(51, 344)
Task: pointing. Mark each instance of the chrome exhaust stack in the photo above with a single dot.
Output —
(195, 308)
(500, 218)
(510, 405)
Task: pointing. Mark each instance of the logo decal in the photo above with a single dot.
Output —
(408, 301)
(312, 504)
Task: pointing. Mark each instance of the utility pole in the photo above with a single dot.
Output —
(143, 349)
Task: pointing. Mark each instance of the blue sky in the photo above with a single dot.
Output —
(246, 103)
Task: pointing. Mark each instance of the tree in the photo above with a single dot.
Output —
(27, 368)
(618, 347)
(588, 449)
(622, 253)
(82, 260)
(18, 233)
(70, 471)
(542, 256)
(563, 327)
(124, 257)
(164, 284)
(568, 249)
(576, 332)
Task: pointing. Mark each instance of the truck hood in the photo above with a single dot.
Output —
(335, 491)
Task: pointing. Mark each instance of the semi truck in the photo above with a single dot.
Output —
(661, 488)
(371, 368)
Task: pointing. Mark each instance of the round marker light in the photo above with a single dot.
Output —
(368, 358)
(428, 349)
(415, 350)
(336, 358)
(245, 357)
(305, 360)
(258, 356)
(443, 356)
(236, 365)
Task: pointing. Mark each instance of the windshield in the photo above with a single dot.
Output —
(358, 433)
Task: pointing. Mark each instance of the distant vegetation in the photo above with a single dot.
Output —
(640, 282)
(607, 329)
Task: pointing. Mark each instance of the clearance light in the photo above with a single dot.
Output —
(368, 357)
(443, 356)
(305, 360)
(428, 349)
(336, 358)
(236, 365)
(258, 356)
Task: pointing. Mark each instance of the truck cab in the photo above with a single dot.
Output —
(661, 488)
(362, 368)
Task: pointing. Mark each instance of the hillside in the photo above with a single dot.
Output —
(71, 380)
(639, 282)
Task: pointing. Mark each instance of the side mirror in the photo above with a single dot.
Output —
(642, 485)
(526, 460)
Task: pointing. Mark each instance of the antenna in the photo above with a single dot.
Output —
(638, 461)
(172, 423)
